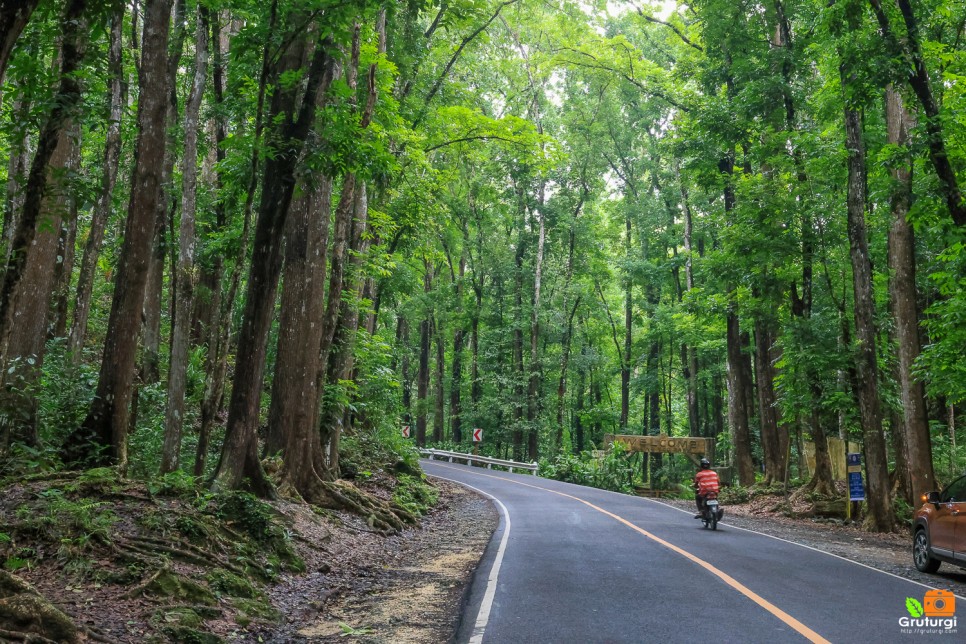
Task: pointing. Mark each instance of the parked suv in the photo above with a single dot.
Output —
(939, 528)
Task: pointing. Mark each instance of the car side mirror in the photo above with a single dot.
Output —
(932, 497)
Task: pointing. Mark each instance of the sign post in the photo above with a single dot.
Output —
(477, 439)
(405, 431)
(853, 464)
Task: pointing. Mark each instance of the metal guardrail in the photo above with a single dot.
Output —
(472, 458)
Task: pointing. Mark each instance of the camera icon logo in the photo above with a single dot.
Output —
(939, 603)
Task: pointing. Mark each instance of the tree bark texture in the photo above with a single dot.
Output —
(102, 208)
(184, 275)
(533, 388)
(774, 437)
(628, 337)
(31, 304)
(737, 404)
(239, 456)
(339, 368)
(905, 310)
(75, 35)
(881, 517)
(102, 438)
(439, 393)
(422, 375)
(456, 373)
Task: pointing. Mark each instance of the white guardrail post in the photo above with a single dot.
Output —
(471, 458)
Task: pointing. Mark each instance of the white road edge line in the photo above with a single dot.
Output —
(483, 617)
(802, 545)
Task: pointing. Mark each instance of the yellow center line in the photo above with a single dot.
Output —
(803, 630)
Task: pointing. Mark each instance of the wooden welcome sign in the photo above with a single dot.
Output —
(662, 444)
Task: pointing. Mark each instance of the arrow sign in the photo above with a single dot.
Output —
(477, 435)
(405, 431)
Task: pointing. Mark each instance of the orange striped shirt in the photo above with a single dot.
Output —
(707, 482)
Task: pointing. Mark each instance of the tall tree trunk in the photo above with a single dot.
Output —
(402, 344)
(519, 375)
(102, 438)
(564, 370)
(578, 439)
(533, 388)
(456, 386)
(902, 262)
(774, 437)
(737, 403)
(342, 234)
(66, 245)
(149, 371)
(219, 335)
(738, 385)
(341, 357)
(18, 165)
(75, 34)
(822, 481)
(102, 208)
(422, 376)
(292, 120)
(295, 400)
(568, 330)
(293, 427)
(628, 336)
(184, 276)
(439, 393)
(335, 418)
(31, 308)
(881, 517)
(691, 364)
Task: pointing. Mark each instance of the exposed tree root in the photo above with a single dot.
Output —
(313, 488)
(28, 617)
(379, 514)
(140, 588)
(29, 638)
(152, 548)
(817, 486)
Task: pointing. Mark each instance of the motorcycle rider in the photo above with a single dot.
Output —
(706, 483)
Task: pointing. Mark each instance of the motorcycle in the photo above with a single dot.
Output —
(712, 512)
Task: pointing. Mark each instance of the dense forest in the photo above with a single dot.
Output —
(241, 232)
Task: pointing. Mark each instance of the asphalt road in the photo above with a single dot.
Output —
(577, 564)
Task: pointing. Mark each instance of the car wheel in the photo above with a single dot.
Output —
(920, 553)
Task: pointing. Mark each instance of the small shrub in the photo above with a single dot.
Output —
(414, 494)
(735, 495)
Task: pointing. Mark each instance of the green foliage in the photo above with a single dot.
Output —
(941, 363)
(253, 516)
(176, 484)
(609, 472)
(76, 524)
(66, 392)
(735, 495)
(414, 494)
(223, 582)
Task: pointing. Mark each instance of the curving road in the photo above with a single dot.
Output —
(576, 564)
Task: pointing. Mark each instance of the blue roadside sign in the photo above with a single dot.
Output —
(854, 469)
